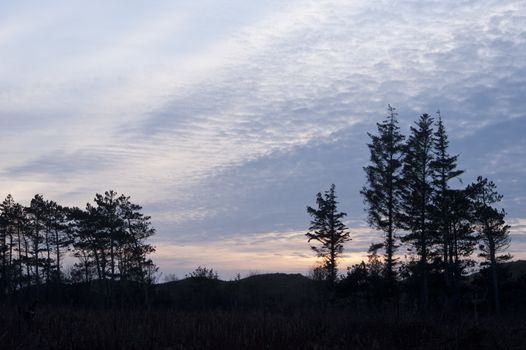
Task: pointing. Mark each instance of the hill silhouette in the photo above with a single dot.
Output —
(516, 269)
(265, 291)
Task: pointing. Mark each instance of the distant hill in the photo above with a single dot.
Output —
(513, 270)
(274, 290)
(516, 268)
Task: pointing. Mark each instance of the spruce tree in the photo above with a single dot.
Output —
(444, 170)
(383, 188)
(328, 230)
(417, 200)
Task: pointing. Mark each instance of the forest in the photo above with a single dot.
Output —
(438, 277)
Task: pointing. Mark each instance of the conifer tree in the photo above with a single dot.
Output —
(5, 245)
(462, 237)
(59, 239)
(36, 221)
(134, 262)
(417, 199)
(8, 243)
(492, 229)
(14, 217)
(111, 225)
(444, 170)
(88, 244)
(383, 188)
(328, 230)
(110, 239)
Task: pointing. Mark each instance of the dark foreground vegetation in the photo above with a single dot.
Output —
(67, 328)
(276, 311)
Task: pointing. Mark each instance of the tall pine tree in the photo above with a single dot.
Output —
(444, 170)
(383, 189)
(417, 200)
(60, 238)
(134, 263)
(328, 230)
(36, 221)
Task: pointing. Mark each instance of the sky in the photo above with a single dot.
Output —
(224, 118)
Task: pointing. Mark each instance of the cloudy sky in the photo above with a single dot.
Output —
(224, 118)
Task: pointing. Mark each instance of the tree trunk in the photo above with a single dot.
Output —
(20, 272)
(99, 265)
(389, 246)
(35, 259)
(48, 262)
(425, 283)
(494, 277)
(28, 273)
(58, 255)
(112, 255)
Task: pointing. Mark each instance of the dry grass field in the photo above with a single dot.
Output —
(64, 328)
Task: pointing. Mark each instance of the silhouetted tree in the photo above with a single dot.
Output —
(14, 220)
(492, 229)
(134, 263)
(37, 218)
(373, 260)
(318, 273)
(13, 232)
(88, 246)
(417, 200)
(328, 230)
(59, 235)
(111, 226)
(203, 272)
(5, 245)
(110, 238)
(382, 192)
(355, 285)
(445, 169)
(462, 239)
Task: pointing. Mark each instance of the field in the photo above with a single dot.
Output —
(270, 311)
(66, 328)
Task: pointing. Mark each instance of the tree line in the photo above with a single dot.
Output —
(107, 238)
(415, 197)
